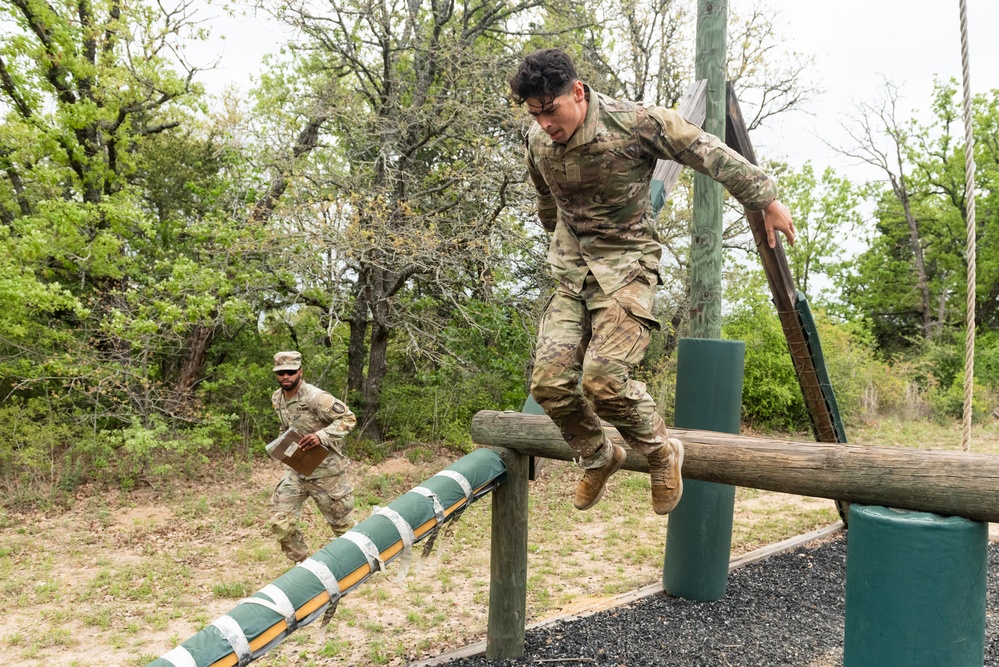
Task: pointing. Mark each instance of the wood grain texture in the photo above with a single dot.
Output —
(508, 561)
(948, 483)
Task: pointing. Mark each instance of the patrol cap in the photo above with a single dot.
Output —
(287, 361)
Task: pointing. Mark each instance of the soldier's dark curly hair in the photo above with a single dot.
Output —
(544, 74)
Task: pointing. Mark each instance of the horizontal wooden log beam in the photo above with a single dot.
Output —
(948, 483)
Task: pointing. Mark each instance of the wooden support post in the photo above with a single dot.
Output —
(508, 561)
(948, 483)
(706, 226)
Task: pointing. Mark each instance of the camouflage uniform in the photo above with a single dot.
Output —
(312, 410)
(593, 195)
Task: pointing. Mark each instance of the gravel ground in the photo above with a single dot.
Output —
(783, 610)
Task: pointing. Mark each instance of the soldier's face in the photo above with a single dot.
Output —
(288, 379)
(561, 116)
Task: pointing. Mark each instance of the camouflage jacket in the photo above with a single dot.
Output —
(593, 193)
(312, 410)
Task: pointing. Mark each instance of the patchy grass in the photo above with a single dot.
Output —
(120, 579)
(926, 435)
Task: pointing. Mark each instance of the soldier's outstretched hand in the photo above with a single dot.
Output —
(777, 218)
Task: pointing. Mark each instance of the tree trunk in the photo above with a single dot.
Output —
(307, 140)
(377, 367)
(898, 185)
(985, 309)
(358, 325)
(673, 327)
(191, 369)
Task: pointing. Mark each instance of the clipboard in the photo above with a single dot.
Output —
(285, 449)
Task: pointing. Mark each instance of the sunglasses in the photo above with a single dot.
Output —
(286, 372)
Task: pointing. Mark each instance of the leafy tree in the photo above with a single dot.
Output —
(412, 200)
(910, 284)
(84, 86)
(122, 213)
(882, 141)
(942, 164)
(826, 219)
(881, 286)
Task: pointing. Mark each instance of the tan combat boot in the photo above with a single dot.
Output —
(294, 548)
(591, 487)
(664, 469)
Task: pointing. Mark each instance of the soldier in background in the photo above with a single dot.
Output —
(591, 159)
(325, 421)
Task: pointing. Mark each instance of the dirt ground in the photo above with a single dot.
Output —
(121, 578)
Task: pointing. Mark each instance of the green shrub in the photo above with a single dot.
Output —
(47, 455)
(866, 387)
(242, 390)
(34, 466)
(949, 403)
(441, 412)
(153, 451)
(771, 395)
(986, 358)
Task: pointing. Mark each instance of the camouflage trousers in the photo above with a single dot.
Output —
(333, 496)
(597, 338)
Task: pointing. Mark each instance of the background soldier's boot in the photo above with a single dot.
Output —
(591, 487)
(294, 548)
(664, 469)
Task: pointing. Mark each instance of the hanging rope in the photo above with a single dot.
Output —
(969, 196)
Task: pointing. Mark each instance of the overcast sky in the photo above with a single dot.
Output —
(856, 44)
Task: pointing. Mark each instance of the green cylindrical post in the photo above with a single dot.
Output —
(699, 532)
(915, 589)
(706, 228)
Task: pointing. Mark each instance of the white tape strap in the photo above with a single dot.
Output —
(284, 605)
(438, 508)
(324, 575)
(179, 657)
(405, 530)
(278, 603)
(462, 482)
(367, 547)
(407, 535)
(232, 632)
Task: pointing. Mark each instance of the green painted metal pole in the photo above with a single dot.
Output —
(706, 231)
(699, 532)
(915, 589)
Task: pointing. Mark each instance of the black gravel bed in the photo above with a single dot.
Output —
(786, 609)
